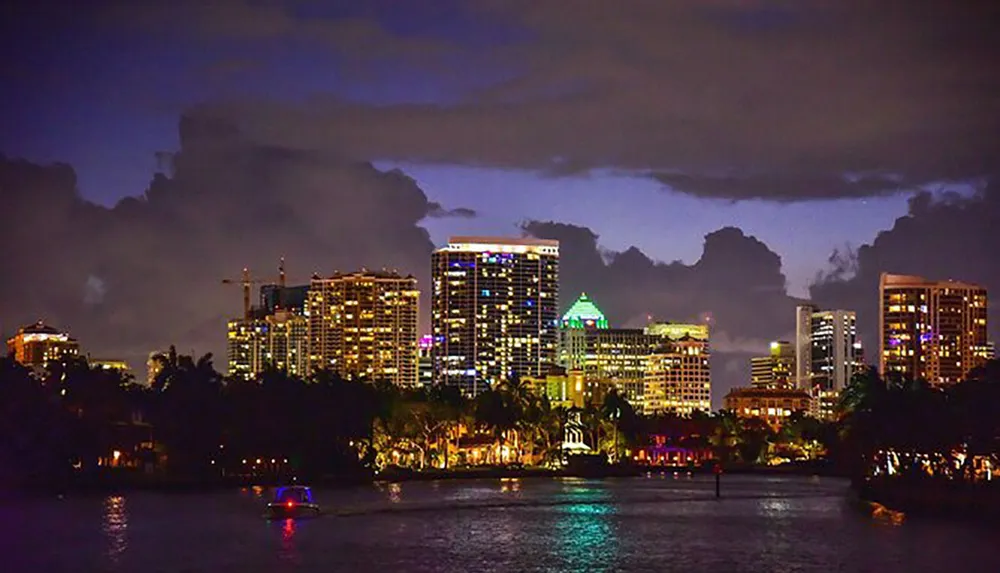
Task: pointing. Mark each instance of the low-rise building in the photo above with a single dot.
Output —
(773, 405)
(35, 345)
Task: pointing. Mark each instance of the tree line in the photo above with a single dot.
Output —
(193, 424)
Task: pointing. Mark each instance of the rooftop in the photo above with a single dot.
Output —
(894, 280)
(39, 328)
(519, 241)
(584, 313)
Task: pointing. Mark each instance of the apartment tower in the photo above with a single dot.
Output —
(931, 330)
(363, 325)
(493, 310)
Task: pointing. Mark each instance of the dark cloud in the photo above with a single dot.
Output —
(737, 282)
(436, 210)
(945, 237)
(790, 98)
(782, 187)
(147, 273)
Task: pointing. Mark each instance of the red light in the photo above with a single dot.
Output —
(290, 503)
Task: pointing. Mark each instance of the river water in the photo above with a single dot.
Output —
(653, 523)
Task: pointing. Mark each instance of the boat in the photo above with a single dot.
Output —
(292, 502)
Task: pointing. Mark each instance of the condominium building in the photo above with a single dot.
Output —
(36, 345)
(493, 310)
(777, 369)
(678, 378)
(278, 341)
(364, 326)
(828, 354)
(245, 344)
(931, 330)
(664, 358)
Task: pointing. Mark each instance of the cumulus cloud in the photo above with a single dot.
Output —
(150, 268)
(792, 98)
(737, 282)
(438, 211)
(946, 237)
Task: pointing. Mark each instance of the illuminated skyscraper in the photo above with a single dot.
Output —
(678, 377)
(930, 330)
(364, 326)
(493, 310)
(776, 370)
(287, 342)
(662, 357)
(278, 340)
(246, 340)
(38, 344)
(835, 356)
(425, 367)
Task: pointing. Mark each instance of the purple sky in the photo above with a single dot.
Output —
(720, 133)
(106, 99)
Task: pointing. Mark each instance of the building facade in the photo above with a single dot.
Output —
(425, 367)
(493, 310)
(835, 357)
(931, 330)
(774, 406)
(245, 343)
(678, 378)
(564, 389)
(36, 345)
(777, 370)
(364, 326)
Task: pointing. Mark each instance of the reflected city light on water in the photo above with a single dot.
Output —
(115, 526)
(776, 507)
(508, 485)
(587, 537)
(288, 551)
(395, 493)
(883, 515)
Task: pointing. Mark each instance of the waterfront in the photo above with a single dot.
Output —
(663, 523)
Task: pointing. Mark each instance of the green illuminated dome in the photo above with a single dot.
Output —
(584, 314)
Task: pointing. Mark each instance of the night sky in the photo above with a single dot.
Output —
(694, 157)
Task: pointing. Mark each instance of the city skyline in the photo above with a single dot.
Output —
(689, 165)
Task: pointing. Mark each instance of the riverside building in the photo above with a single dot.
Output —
(493, 310)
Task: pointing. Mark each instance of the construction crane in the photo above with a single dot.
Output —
(247, 282)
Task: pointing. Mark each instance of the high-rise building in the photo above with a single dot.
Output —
(364, 326)
(658, 357)
(286, 346)
(274, 297)
(35, 345)
(425, 367)
(678, 377)
(777, 369)
(245, 343)
(278, 340)
(493, 308)
(835, 355)
(803, 344)
(931, 330)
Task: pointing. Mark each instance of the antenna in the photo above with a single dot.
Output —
(281, 273)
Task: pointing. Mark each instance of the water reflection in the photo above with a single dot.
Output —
(288, 552)
(115, 526)
(509, 485)
(395, 493)
(587, 534)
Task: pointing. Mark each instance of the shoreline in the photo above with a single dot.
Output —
(127, 483)
(959, 501)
